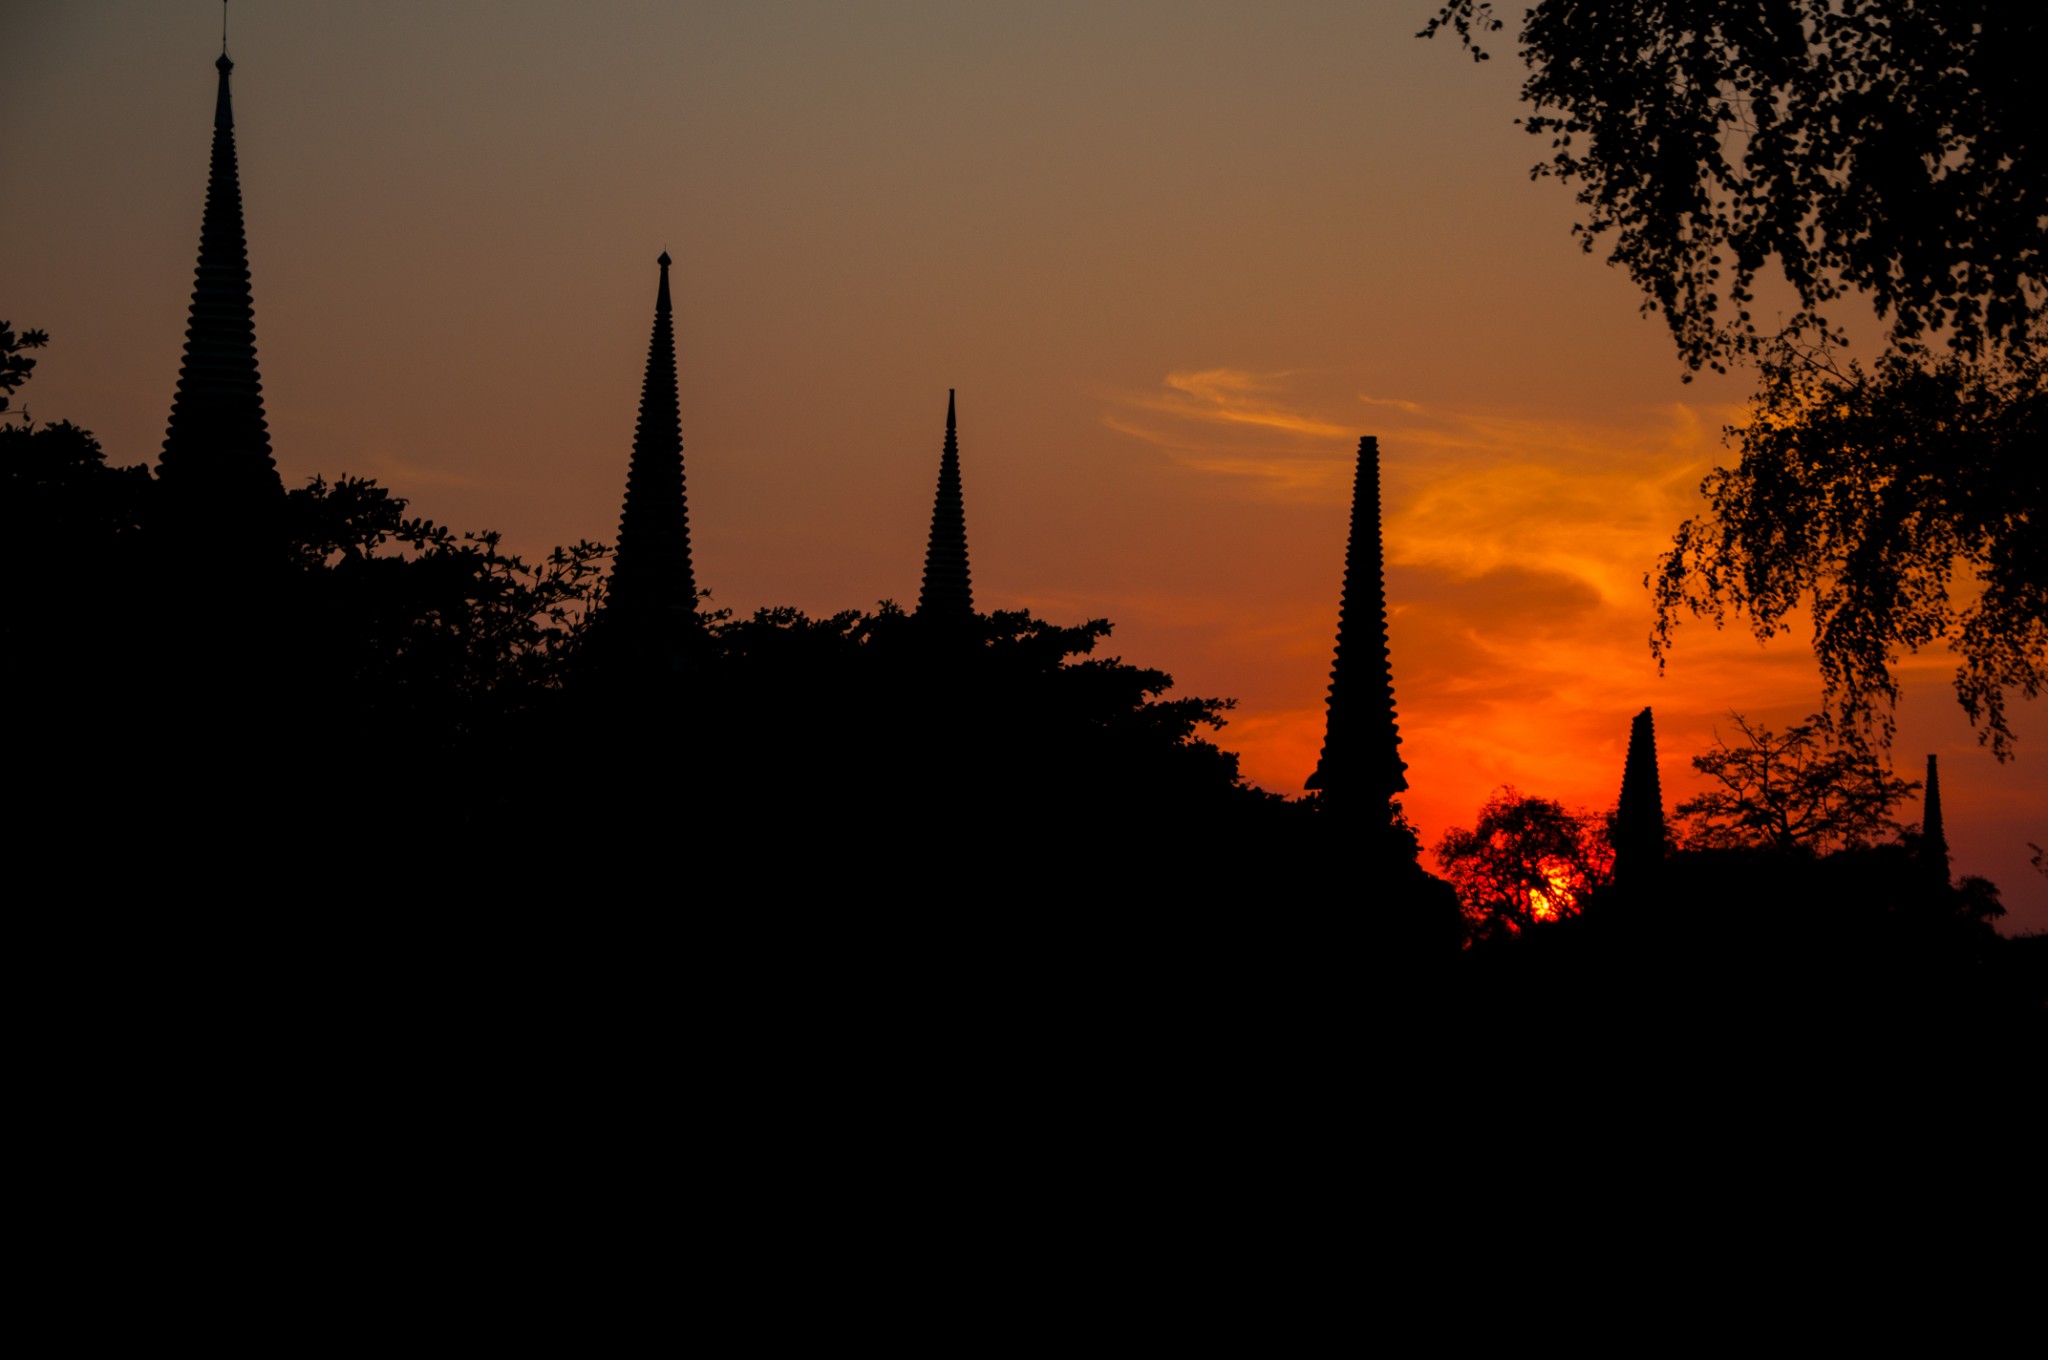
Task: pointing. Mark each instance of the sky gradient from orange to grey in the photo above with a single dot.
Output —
(1176, 257)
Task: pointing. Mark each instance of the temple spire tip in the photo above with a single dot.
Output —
(947, 594)
(217, 442)
(223, 104)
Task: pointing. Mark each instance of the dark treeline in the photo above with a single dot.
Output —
(331, 670)
(345, 728)
(296, 768)
(360, 860)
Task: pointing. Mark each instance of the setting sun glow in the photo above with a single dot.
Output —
(1560, 896)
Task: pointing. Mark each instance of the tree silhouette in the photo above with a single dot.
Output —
(347, 637)
(15, 366)
(1873, 149)
(64, 505)
(1866, 504)
(1788, 792)
(1885, 152)
(1527, 860)
(405, 615)
(76, 524)
(868, 714)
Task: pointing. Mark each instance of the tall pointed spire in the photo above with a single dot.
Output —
(1933, 837)
(947, 593)
(1640, 835)
(218, 444)
(1361, 766)
(654, 589)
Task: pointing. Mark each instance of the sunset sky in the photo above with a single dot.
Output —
(1175, 256)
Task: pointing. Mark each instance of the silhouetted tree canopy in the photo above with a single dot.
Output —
(1008, 727)
(317, 651)
(1909, 505)
(372, 641)
(1882, 151)
(1789, 791)
(76, 526)
(409, 612)
(1527, 860)
(60, 492)
(15, 366)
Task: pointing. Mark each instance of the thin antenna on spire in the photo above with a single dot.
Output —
(223, 27)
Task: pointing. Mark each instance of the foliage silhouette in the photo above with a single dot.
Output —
(1977, 899)
(872, 717)
(405, 607)
(77, 525)
(1873, 150)
(372, 662)
(1880, 149)
(15, 366)
(335, 634)
(1528, 860)
(61, 494)
(1868, 503)
(1790, 792)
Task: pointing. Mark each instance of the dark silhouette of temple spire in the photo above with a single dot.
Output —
(1933, 838)
(653, 599)
(1361, 767)
(1640, 835)
(217, 448)
(947, 594)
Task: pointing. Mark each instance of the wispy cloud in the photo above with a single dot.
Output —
(1242, 425)
(1473, 494)
(1516, 546)
(1274, 472)
(1229, 396)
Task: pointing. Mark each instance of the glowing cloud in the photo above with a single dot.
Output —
(1233, 397)
(1516, 548)
(1224, 421)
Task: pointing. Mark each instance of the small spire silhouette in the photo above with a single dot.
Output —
(1933, 837)
(217, 445)
(1361, 766)
(947, 593)
(653, 588)
(1640, 836)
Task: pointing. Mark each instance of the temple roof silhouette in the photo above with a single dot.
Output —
(1640, 835)
(947, 593)
(653, 587)
(218, 442)
(1933, 836)
(1361, 765)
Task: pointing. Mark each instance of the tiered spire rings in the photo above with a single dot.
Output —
(654, 588)
(218, 443)
(1361, 767)
(947, 593)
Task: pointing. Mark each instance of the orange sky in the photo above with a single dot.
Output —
(1175, 256)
